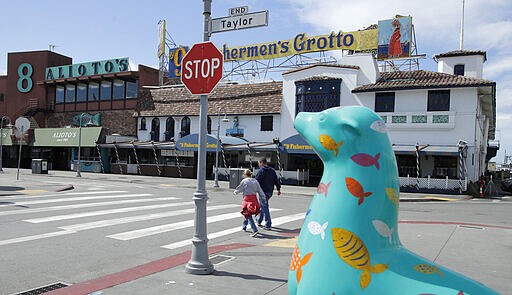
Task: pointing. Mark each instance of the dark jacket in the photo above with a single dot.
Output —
(267, 178)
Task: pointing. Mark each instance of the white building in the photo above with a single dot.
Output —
(443, 119)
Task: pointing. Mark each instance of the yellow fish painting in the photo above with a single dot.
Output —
(353, 252)
(427, 269)
(297, 263)
(392, 195)
(330, 144)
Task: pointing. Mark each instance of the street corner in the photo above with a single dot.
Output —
(283, 238)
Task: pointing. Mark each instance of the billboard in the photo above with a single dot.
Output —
(395, 37)
(175, 57)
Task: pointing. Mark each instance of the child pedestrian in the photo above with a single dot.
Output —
(250, 205)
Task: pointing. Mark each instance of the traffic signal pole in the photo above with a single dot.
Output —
(199, 262)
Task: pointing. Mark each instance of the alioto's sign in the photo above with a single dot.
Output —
(88, 69)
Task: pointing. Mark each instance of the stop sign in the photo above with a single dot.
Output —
(202, 68)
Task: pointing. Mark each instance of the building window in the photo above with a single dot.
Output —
(169, 129)
(209, 125)
(155, 129)
(142, 124)
(81, 92)
(59, 94)
(70, 93)
(185, 126)
(385, 102)
(94, 92)
(1, 97)
(316, 96)
(438, 100)
(458, 70)
(267, 123)
(118, 89)
(106, 90)
(131, 89)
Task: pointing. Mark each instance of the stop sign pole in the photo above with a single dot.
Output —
(199, 262)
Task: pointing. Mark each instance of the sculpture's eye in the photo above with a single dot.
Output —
(322, 118)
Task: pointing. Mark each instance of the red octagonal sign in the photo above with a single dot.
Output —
(202, 68)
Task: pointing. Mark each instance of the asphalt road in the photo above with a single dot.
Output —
(103, 226)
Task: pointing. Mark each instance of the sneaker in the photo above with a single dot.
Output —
(256, 234)
(268, 228)
(260, 225)
(244, 229)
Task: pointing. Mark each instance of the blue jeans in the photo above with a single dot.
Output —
(265, 212)
(250, 221)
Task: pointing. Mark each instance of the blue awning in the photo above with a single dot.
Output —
(191, 142)
(296, 144)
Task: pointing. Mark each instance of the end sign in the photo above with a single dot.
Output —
(202, 68)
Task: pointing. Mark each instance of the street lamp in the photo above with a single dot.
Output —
(2, 137)
(79, 167)
(225, 119)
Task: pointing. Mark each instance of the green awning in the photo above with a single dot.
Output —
(66, 137)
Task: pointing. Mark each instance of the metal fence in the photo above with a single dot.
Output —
(434, 183)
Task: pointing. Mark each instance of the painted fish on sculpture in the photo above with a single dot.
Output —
(356, 189)
(316, 229)
(392, 195)
(383, 229)
(330, 144)
(366, 160)
(353, 251)
(323, 188)
(297, 263)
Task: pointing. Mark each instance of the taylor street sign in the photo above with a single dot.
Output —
(238, 22)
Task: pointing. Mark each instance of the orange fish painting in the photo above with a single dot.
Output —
(356, 189)
(330, 144)
(323, 188)
(353, 251)
(298, 263)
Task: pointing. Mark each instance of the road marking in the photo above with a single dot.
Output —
(276, 221)
(86, 205)
(63, 194)
(36, 237)
(165, 184)
(110, 222)
(105, 212)
(135, 234)
(78, 199)
(286, 243)
(32, 191)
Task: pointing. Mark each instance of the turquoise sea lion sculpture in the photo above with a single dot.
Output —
(349, 242)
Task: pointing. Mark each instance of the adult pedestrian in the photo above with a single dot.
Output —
(250, 205)
(267, 177)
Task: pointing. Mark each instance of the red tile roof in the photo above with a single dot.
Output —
(462, 53)
(421, 80)
(237, 99)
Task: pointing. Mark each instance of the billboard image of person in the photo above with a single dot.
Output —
(394, 38)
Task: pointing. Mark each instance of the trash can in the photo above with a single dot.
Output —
(235, 176)
(39, 166)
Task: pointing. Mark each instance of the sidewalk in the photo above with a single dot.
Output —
(260, 266)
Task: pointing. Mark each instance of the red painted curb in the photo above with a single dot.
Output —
(137, 272)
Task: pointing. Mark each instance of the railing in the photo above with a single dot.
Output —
(434, 183)
(419, 120)
(288, 176)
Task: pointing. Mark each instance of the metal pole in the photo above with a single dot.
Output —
(19, 155)
(199, 262)
(216, 181)
(1, 140)
(79, 167)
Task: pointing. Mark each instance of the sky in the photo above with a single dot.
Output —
(98, 30)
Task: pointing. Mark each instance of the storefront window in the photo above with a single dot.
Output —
(118, 91)
(81, 92)
(169, 129)
(131, 89)
(155, 129)
(185, 127)
(59, 94)
(94, 92)
(70, 93)
(106, 90)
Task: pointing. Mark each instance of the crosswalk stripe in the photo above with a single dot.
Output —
(63, 194)
(135, 234)
(110, 222)
(105, 212)
(35, 237)
(79, 199)
(275, 221)
(85, 205)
